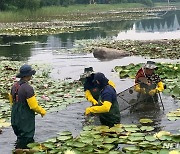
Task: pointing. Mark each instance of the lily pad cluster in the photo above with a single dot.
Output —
(53, 95)
(40, 31)
(154, 49)
(174, 115)
(168, 72)
(122, 138)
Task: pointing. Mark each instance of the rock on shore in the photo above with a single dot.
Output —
(109, 53)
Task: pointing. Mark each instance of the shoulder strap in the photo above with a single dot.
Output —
(17, 86)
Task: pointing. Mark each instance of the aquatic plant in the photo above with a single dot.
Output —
(114, 140)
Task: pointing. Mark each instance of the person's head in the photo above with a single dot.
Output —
(150, 67)
(25, 72)
(100, 80)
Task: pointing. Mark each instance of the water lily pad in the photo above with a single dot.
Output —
(165, 137)
(79, 144)
(65, 133)
(116, 129)
(31, 145)
(64, 138)
(150, 138)
(145, 121)
(130, 149)
(110, 140)
(146, 128)
(137, 134)
(131, 129)
(86, 140)
(135, 138)
(53, 140)
(164, 151)
(49, 145)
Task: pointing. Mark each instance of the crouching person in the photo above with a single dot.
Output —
(24, 106)
(92, 93)
(108, 108)
(147, 83)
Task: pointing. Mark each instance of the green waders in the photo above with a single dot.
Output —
(23, 124)
(112, 117)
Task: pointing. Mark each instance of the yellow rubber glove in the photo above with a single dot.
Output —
(138, 89)
(153, 92)
(99, 109)
(10, 99)
(160, 86)
(33, 104)
(111, 83)
(90, 98)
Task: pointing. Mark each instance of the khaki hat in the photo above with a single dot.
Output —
(87, 72)
(150, 65)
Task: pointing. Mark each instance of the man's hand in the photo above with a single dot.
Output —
(152, 92)
(94, 102)
(87, 111)
(43, 112)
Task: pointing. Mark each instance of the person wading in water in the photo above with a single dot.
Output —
(24, 106)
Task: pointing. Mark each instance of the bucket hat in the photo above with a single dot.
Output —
(87, 72)
(25, 70)
(150, 65)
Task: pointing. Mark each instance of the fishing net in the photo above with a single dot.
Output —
(127, 98)
(130, 99)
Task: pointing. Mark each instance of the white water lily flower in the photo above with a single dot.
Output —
(175, 68)
(69, 152)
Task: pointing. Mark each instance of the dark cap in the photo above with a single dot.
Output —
(99, 77)
(25, 70)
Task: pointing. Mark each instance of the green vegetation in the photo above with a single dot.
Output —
(169, 49)
(74, 12)
(36, 4)
(133, 139)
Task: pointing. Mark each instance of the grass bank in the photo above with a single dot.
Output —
(58, 12)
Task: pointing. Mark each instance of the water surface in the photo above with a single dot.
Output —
(43, 49)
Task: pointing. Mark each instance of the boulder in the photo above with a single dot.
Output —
(109, 53)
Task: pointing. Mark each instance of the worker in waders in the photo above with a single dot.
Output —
(148, 84)
(24, 106)
(107, 108)
(92, 93)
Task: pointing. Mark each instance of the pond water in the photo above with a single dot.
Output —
(66, 65)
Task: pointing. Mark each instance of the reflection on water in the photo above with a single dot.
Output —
(158, 25)
(165, 27)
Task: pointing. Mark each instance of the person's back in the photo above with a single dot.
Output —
(113, 116)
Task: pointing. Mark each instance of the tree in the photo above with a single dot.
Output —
(27, 4)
